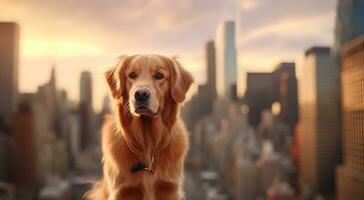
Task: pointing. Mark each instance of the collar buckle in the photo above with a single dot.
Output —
(149, 168)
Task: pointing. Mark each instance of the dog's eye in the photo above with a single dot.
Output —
(132, 75)
(158, 76)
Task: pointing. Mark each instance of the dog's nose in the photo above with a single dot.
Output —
(142, 94)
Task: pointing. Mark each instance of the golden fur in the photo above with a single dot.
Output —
(130, 137)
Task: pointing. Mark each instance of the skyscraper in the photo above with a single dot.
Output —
(350, 176)
(25, 143)
(285, 92)
(211, 67)
(202, 103)
(349, 26)
(349, 21)
(319, 122)
(9, 48)
(259, 95)
(86, 110)
(86, 88)
(226, 63)
(278, 86)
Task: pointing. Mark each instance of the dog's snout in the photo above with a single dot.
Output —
(142, 94)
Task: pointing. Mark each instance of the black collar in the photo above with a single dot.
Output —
(138, 166)
(142, 166)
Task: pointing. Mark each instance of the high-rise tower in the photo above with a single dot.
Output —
(320, 137)
(9, 56)
(226, 61)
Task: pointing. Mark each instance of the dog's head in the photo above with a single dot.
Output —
(147, 82)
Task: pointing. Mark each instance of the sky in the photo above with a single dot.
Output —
(89, 35)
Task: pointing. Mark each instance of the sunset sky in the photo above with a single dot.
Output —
(89, 34)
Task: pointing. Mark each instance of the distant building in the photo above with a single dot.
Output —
(106, 106)
(280, 191)
(226, 59)
(86, 88)
(33, 142)
(41, 130)
(278, 86)
(211, 67)
(9, 56)
(350, 176)
(285, 92)
(272, 129)
(86, 109)
(24, 157)
(320, 135)
(201, 103)
(6, 144)
(55, 104)
(269, 166)
(259, 95)
(74, 134)
(246, 180)
(9, 60)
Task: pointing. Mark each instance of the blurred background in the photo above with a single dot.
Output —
(278, 113)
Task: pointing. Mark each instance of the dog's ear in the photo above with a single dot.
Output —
(181, 80)
(115, 77)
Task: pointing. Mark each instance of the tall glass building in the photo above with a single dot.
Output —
(226, 62)
(350, 176)
(210, 57)
(349, 52)
(349, 21)
(9, 56)
(86, 109)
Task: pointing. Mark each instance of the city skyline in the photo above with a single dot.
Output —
(296, 132)
(76, 38)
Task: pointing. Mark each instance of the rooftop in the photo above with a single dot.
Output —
(317, 50)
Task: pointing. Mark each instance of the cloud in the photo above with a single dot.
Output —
(249, 4)
(91, 33)
(267, 12)
(286, 39)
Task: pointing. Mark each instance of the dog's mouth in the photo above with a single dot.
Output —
(144, 111)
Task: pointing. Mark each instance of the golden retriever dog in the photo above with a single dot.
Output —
(145, 143)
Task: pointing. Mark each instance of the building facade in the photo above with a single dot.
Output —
(86, 87)
(86, 109)
(320, 136)
(201, 103)
(211, 67)
(9, 55)
(350, 176)
(34, 142)
(259, 95)
(226, 60)
(349, 21)
(24, 156)
(280, 85)
(285, 92)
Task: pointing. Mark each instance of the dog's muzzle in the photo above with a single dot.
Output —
(141, 100)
